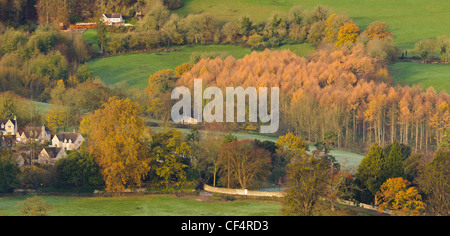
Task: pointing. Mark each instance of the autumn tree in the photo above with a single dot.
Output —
(8, 105)
(199, 28)
(56, 118)
(378, 30)
(169, 152)
(426, 48)
(53, 11)
(161, 82)
(207, 153)
(333, 26)
(183, 68)
(348, 33)
(443, 44)
(383, 49)
(440, 120)
(156, 16)
(434, 181)
(242, 163)
(344, 89)
(115, 138)
(292, 144)
(306, 183)
(396, 195)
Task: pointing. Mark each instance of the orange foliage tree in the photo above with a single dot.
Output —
(378, 30)
(348, 33)
(341, 89)
(115, 139)
(394, 194)
(242, 163)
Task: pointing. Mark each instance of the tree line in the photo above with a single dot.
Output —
(32, 62)
(343, 89)
(120, 153)
(21, 12)
(161, 28)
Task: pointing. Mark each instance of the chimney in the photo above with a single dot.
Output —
(15, 125)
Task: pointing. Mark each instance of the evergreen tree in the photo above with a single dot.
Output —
(371, 173)
(394, 164)
(9, 172)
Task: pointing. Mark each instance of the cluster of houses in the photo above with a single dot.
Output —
(35, 145)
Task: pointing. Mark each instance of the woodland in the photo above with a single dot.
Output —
(341, 95)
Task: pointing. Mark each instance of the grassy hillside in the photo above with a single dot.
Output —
(135, 69)
(409, 20)
(435, 75)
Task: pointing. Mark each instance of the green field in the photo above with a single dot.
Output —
(409, 20)
(136, 68)
(42, 107)
(409, 73)
(149, 205)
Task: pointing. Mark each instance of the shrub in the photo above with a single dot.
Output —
(256, 42)
(34, 206)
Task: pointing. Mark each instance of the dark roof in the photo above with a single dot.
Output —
(52, 151)
(113, 15)
(34, 132)
(68, 136)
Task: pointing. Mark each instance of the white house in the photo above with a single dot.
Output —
(188, 120)
(8, 126)
(67, 141)
(113, 19)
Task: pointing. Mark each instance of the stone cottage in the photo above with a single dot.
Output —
(67, 141)
(39, 134)
(8, 126)
(50, 155)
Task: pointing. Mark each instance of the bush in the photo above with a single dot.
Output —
(35, 206)
(53, 65)
(41, 42)
(36, 177)
(79, 170)
(117, 44)
(256, 42)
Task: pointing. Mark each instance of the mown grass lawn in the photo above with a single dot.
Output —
(135, 68)
(147, 205)
(410, 73)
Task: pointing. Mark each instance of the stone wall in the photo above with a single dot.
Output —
(242, 192)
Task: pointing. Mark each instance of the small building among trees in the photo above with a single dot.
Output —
(113, 19)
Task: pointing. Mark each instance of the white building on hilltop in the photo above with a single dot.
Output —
(113, 19)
